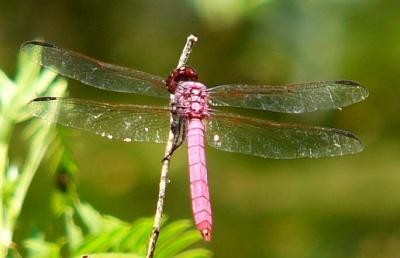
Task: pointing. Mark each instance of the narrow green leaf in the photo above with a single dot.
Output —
(97, 243)
(74, 233)
(112, 223)
(119, 237)
(139, 231)
(107, 240)
(140, 246)
(184, 241)
(7, 88)
(90, 217)
(172, 231)
(27, 69)
(37, 247)
(5, 82)
(46, 77)
(195, 253)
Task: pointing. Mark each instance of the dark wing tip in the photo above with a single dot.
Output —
(357, 145)
(348, 134)
(37, 43)
(362, 89)
(348, 82)
(44, 99)
(37, 105)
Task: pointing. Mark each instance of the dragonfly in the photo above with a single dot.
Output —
(197, 115)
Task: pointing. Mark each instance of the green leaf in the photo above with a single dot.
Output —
(135, 240)
(116, 236)
(195, 253)
(30, 82)
(27, 69)
(101, 242)
(172, 231)
(107, 239)
(184, 241)
(90, 217)
(7, 89)
(37, 247)
(74, 233)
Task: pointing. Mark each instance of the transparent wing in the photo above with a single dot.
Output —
(275, 140)
(114, 121)
(94, 72)
(296, 98)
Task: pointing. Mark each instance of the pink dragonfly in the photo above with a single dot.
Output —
(195, 113)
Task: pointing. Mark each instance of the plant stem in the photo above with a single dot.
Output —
(186, 50)
(36, 151)
(166, 162)
(4, 138)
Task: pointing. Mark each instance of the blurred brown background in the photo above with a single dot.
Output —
(325, 208)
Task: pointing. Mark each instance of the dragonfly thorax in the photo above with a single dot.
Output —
(183, 73)
(191, 100)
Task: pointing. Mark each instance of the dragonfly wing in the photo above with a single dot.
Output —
(296, 98)
(94, 72)
(275, 140)
(113, 121)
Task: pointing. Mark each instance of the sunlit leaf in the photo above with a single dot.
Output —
(186, 239)
(90, 217)
(74, 233)
(172, 231)
(116, 236)
(135, 239)
(37, 247)
(195, 253)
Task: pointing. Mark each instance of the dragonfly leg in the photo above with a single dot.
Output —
(178, 128)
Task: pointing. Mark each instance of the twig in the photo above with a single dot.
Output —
(187, 50)
(165, 164)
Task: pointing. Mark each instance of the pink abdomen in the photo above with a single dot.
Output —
(198, 178)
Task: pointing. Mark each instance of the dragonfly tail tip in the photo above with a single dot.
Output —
(206, 234)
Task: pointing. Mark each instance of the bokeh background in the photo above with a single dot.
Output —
(326, 208)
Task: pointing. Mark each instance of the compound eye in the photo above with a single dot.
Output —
(183, 73)
(189, 74)
(192, 74)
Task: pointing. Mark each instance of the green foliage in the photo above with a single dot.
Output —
(15, 179)
(107, 234)
(37, 247)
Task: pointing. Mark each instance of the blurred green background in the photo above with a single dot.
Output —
(334, 207)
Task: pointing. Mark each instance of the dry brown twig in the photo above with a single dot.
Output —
(166, 162)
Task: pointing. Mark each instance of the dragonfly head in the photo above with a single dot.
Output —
(183, 73)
